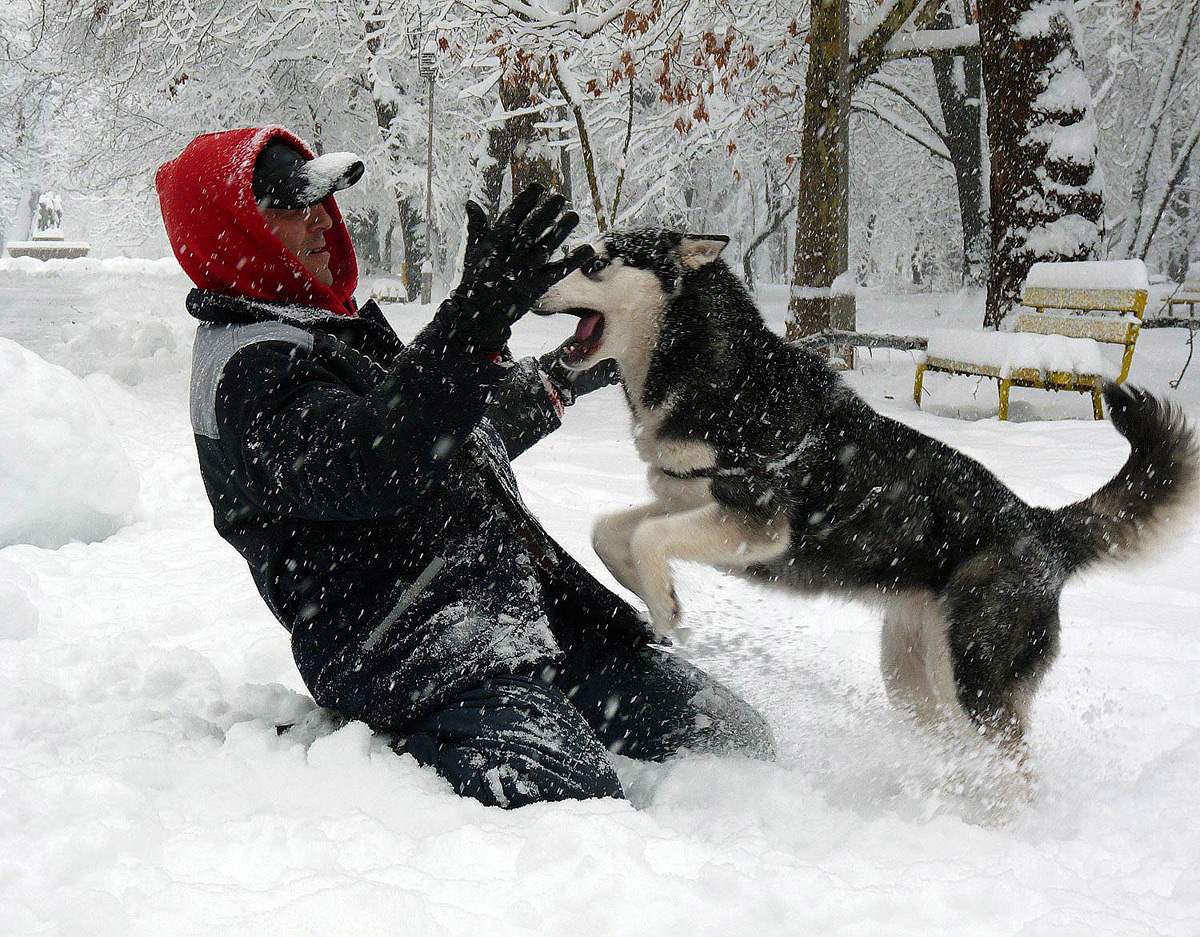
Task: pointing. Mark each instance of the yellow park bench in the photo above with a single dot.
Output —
(1076, 308)
(1187, 295)
(389, 290)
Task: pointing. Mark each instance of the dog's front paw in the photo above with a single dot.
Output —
(654, 574)
(665, 613)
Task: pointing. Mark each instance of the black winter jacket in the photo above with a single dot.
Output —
(367, 485)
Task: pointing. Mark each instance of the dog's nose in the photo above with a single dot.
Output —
(547, 303)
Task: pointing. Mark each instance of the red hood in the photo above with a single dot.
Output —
(221, 240)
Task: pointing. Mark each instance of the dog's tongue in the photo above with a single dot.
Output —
(586, 326)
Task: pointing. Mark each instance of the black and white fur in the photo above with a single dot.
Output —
(763, 461)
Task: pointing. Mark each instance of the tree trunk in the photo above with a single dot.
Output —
(529, 160)
(863, 274)
(513, 147)
(1046, 198)
(564, 163)
(412, 236)
(822, 220)
(775, 220)
(1178, 253)
(959, 83)
(777, 211)
(500, 143)
(408, 209)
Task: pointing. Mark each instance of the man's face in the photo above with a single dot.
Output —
(302, 231)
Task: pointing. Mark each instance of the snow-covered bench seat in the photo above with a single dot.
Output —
(1187, 295)
(1077, 308)
(389, 290)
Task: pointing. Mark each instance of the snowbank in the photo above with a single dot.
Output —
(63, 475)
(20, 616)
(127, 344)
(120, 316)
(91, 266)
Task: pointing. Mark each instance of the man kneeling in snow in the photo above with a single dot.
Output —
(368, 486)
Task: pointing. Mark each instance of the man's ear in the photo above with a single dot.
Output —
(696, 250)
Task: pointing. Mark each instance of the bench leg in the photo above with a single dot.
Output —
(1005, 387)
(917, 384)
(1097, 404)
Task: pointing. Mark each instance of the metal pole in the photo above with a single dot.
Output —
(427, 267)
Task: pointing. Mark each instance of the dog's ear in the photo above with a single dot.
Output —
(696, 250)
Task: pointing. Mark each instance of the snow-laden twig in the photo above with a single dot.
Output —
(539, 19)
(906, 94)
(905, 128)
(1178, 170)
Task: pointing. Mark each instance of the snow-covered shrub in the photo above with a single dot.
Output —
(63, 475)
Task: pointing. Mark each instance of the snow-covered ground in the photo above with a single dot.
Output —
(144, 789)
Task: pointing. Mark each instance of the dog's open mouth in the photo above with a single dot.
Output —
(588, 337)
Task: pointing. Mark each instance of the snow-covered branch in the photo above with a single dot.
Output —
(869, 43)
(1178, 170)
(568, 89)
(538, 19)
(906, 94)
(924, 43)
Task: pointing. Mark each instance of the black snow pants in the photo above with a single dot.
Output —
(517, 740)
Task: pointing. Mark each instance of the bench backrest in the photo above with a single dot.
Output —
(1076, 303)
(1116, 330)
(1085, 298)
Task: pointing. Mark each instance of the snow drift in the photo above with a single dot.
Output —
(63, 474)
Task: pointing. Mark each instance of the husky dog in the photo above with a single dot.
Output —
(762, 461)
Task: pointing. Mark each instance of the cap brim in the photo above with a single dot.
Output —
(316, 180)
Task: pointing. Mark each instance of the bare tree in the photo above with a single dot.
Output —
(1139, 224)
(836, 69)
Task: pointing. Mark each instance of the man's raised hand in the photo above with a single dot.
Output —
(506, 267)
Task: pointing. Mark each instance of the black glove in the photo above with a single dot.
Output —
(571, 383)
(506, 268)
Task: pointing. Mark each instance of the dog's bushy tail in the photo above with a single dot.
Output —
(1155, 490)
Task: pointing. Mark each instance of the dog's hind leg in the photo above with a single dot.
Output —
(915, 657)
(1002, 636)
(711, 534)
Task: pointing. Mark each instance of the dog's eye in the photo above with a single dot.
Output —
(595, 265)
